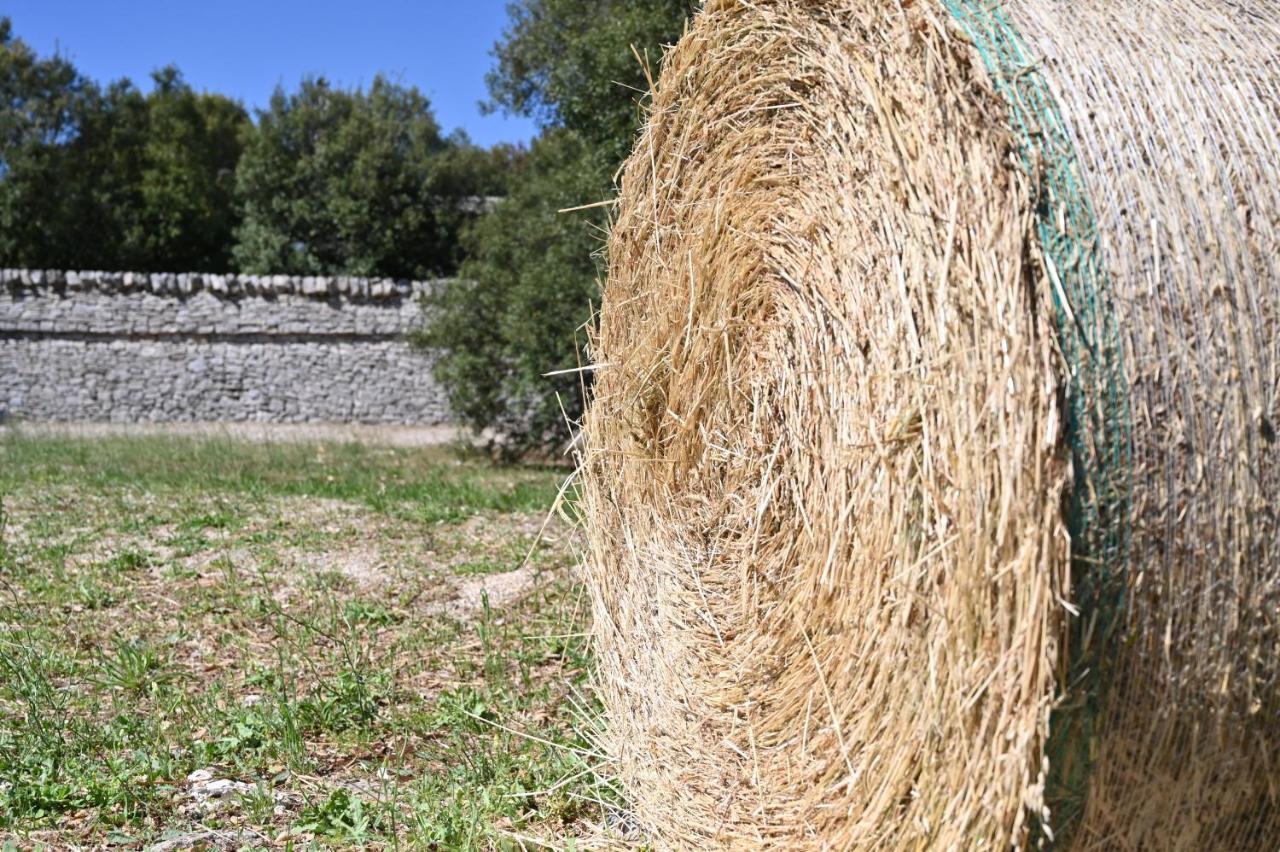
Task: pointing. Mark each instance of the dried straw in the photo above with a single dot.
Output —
(927, 325)
(1177, 108)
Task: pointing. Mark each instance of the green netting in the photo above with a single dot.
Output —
(1098, 421)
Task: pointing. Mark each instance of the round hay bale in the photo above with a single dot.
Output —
(929, 475)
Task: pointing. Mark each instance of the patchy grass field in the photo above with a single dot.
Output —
(231, 645)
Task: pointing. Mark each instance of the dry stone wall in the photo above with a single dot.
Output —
(172, 347)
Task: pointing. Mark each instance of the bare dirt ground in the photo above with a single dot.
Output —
(375, 434)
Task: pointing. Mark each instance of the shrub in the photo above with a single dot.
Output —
(513, 315)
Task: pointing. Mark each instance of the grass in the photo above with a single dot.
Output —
(340, 639)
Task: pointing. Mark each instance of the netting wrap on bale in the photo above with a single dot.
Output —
(929, 475)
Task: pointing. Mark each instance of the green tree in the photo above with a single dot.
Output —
(149, 180)
(352, 182)
(95, 178)
(530, 278)
(41, 105)
(98, 185)
(577, 64)
(37, 96)
(186, 216)
(65, 192)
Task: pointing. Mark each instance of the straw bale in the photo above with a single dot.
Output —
(900, 477)
(1176, 109)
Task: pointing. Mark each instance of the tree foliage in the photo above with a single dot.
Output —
(42, 102)
(581, 64)
(329, 181)
(99, 178)
(507, 319)
(37, 96)
(186, 217)
(355, 182)
(530, 278)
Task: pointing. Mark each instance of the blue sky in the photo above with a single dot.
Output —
(243, 49)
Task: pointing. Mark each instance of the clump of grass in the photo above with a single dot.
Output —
(135, 667)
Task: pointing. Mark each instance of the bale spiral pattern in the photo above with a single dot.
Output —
(928, 326)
